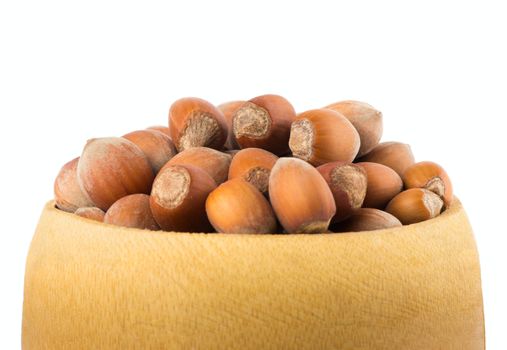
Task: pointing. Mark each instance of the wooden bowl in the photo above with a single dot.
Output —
(90, 285)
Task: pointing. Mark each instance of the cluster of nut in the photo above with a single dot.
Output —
(254, 167)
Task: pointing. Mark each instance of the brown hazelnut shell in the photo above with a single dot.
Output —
(348, 183)
(321, 136)
(396, 155)
(383, 184)
(366, 119)
(163, 129)
(157, 146)
(264, 122)
(194, 122)
(236, 206)
(213, 162)
(415, 205)
(431, 176)
(68, 194)
(178, 198)
(132, 211)
(300, 197)
(253, 165)
(111, 168)
(367, 219)
(92, 213)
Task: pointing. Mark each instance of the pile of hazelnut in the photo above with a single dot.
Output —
(254, 167)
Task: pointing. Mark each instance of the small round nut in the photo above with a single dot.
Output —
(366, 119)
(236, 206)
(367, 219)
(111, 168)
(213, 162)
(253, 165)
(194, 122)
(396, 155)
(68, 194)
(348, 183)
(92, 213)
(157, 147)
(178, 198)
(383, 184)
(322, 136)
(300, 197)
(264, 122)
(415, 205)
(132, 211)
(431, 176)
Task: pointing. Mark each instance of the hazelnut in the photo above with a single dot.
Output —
(194, 122)
(264, 122)
(430, 176)
(415, 205)
(228, 109)
(383, 184)
(396, 155)
(163, 129)
(367, 219)
(132, 211)
(348, 184)
(253, 165)
(111, 168)
(178, 198)
(214, 162)
(366, 119)
(322, 136)
(236, 206)
(157, 147)
(300, 197)
(68, 193)
(91, 213)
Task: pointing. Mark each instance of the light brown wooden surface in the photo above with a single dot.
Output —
(95, 286)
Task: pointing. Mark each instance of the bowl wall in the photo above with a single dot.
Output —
(92, 286)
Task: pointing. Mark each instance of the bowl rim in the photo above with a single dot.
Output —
(455, 208)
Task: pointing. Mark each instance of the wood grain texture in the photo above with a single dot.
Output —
(94, 286)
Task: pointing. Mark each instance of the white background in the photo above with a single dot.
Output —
(71, 71)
